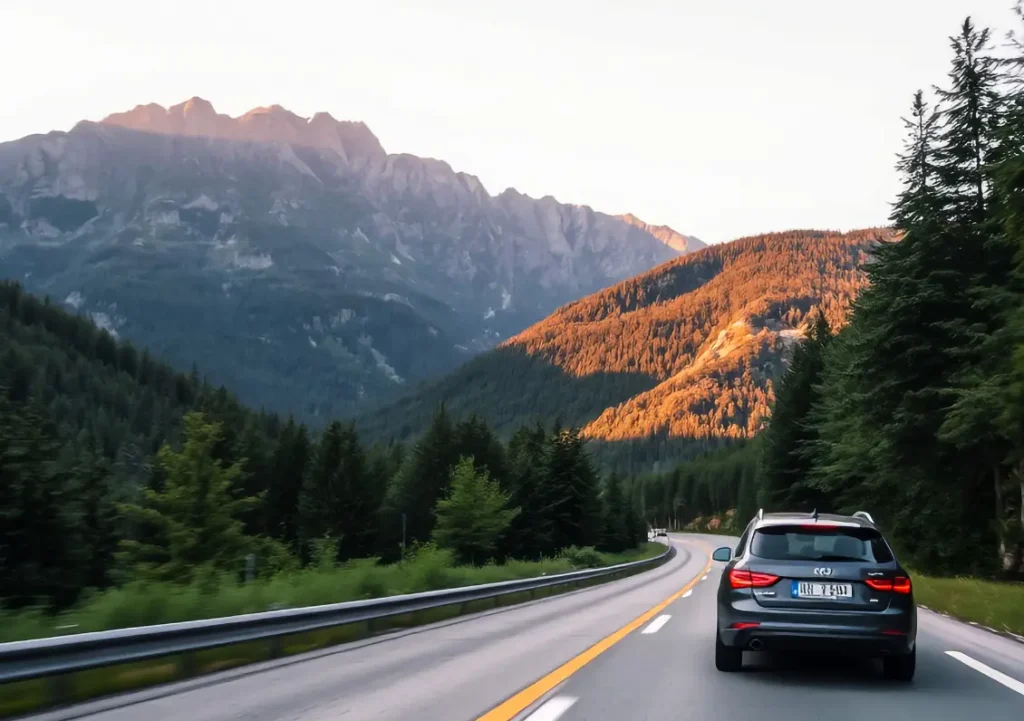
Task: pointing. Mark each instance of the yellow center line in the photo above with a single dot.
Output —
(509, 709)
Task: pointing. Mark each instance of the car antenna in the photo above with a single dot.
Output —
(814, 514)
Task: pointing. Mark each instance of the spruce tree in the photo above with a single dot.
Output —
(197, 512)
(474, 515)
(473, 439)
(422, 480)
(618, 529)
(335, 499)
(787, 460)
(40, 553)
(288, 464)
(570, 474)
(531, 534)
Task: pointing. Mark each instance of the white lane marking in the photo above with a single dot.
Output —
(704, 577)
(552, 709)
(1010, 683)
(688, 593)
(655, 625)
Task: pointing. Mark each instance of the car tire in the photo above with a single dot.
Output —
(727, 659)
(900, 668)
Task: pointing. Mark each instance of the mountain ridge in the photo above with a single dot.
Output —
(322, 273)
(679, 357)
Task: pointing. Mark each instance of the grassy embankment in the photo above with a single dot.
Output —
(141, 604)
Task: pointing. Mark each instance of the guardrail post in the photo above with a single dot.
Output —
(187, 665)
(59, 688)
(276, 647)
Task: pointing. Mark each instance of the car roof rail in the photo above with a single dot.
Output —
(865, 515)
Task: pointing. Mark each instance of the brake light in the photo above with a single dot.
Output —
(900, 584)
(740, 625)
(816, 526)
(880, 584)
(742, 578)
(893, 632)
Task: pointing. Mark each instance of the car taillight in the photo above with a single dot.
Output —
(900, 584)
(741, 625)
(742, 578)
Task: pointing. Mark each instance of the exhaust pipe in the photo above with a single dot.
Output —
(756, 645)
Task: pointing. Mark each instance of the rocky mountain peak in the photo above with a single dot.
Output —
(272, 124)
(668, 236)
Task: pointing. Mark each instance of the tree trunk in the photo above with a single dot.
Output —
(1018, 561)
(1005, 555)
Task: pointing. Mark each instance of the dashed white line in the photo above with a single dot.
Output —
(1010, 683)
(552, 709)
(688, 593)
(704, 577)
(655, 625)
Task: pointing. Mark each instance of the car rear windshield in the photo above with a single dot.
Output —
(803, 543)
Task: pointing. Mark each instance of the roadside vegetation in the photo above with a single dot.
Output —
(427, 568)
(997, 605)
(912, 408)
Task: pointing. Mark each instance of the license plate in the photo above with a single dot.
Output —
(808, 589)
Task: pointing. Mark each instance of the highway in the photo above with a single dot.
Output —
(635, 649)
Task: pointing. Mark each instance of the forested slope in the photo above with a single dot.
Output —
(666, 362)
(914, 409)
(114, 468)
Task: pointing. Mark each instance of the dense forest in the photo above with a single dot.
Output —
(114, 467)
(914, 409)
(663, 366)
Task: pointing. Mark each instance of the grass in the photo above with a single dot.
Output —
(996, 604)
(141, 604)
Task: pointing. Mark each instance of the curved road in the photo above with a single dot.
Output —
(634, 649)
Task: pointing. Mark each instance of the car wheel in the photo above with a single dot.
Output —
(727, 659)
(900, 668)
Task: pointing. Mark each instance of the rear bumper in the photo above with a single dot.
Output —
(844, 641)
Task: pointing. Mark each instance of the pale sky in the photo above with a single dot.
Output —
(719, 118)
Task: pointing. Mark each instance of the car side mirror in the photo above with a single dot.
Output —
(723, 554)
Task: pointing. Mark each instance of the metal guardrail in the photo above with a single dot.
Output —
(37, 658)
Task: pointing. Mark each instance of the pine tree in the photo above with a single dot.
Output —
(531, 534)
(474, 515)
(197, 511)
(787, 460)
(473, 439)
(969, 134)
(98, 522)
(570, 473)
(422, 480)
(39, 543)
(618, 529)
(288, 465)
(889, 378)
(335, 499)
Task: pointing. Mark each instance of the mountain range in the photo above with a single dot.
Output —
(292, 258)
(657, 367)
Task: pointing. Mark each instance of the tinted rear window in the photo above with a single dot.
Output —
(797, 543)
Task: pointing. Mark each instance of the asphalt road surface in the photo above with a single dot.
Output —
(631, 650)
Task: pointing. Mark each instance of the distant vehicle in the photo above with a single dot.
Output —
(804, 582)
(661, 532)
